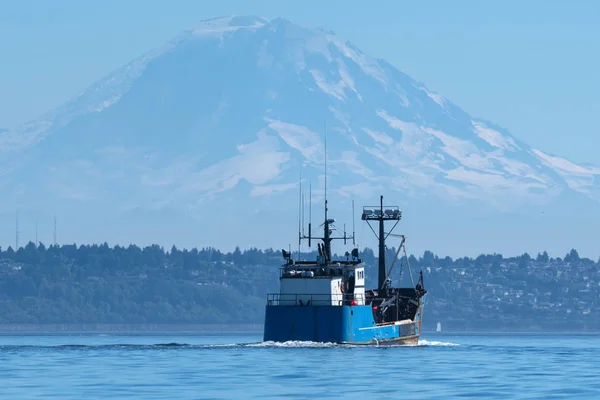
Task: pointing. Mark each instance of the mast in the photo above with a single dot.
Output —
(381, 271)
(326, 238)
(379, 214)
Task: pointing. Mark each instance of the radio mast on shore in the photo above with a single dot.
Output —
(17, 232)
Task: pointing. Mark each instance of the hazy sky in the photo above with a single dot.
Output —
(529, 66)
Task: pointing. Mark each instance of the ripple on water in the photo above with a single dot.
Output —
(201, 367)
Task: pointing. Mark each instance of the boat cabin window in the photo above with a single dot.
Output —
(312, 272)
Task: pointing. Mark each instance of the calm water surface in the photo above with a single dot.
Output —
(238, 366)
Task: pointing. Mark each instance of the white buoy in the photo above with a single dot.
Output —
(439, 327)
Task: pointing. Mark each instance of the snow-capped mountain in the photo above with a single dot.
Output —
(213, 130)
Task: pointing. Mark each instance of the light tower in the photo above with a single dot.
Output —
(379, 214)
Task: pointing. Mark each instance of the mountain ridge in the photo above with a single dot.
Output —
(234, 107)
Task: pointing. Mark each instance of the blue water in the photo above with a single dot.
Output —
(234, 366)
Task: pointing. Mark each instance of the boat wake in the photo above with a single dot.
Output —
(293, 344)
(175, 346)
(166, 346)
(299, 344)
(428, 343)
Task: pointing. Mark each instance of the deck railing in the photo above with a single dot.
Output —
(314, 299)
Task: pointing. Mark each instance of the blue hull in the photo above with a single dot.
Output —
(334, 324)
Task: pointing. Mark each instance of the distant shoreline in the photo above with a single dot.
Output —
(128, 328)
(101, 328)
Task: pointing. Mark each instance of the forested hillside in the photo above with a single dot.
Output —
(102, 284)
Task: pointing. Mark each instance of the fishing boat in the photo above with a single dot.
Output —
(327, 300)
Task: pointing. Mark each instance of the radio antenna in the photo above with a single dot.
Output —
(309, 212)
(303, 205)
(353, 231)
(300, 205)
(325, 169)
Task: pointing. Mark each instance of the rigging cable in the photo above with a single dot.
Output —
(395, 258)
(409, 269)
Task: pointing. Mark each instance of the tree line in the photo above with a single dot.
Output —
(130, 284)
